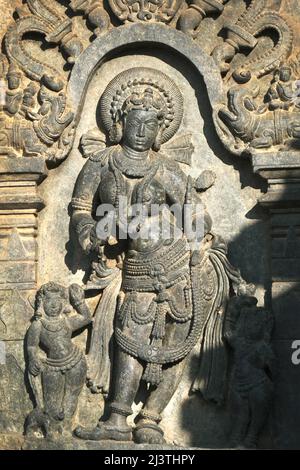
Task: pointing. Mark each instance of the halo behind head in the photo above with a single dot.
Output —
(142, 88)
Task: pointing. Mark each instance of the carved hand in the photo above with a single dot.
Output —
(84, 237)
(95, 241)
(88, 238)
(35, 366)
(76, 294)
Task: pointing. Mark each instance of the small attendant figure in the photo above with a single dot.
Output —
(63, 371)
(252, 386)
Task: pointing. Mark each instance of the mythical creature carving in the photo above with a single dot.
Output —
(149, 10)
(35, 118)
(256, 43)
(197, 10)
(39, 17)
(56, 380)
(161, 294)
(258, 121)
(247, 32)
(248, 332)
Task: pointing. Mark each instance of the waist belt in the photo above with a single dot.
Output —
(162, 269)
(67, 363)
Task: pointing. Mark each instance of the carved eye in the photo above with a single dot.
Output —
(151, 124)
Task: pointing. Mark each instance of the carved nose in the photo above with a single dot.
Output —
(141, 131)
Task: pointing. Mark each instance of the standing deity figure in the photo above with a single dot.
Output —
(56, 380)
(249, 334)
(161, 294)
(14, 93)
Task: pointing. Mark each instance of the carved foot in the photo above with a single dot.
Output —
(104, 432)
(148, 433)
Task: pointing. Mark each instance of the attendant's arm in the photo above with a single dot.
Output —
(33, 340)
(77, 300)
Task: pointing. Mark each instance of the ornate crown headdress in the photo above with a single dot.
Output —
(142, 88)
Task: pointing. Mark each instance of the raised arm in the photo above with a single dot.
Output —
(83, 316)
(174, 181)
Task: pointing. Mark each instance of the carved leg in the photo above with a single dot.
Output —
(127, 379)
(265, 141)
(147, 429)
(75, 379)
(259, 401)
(53, 391)
(240, 409)
(127, 376)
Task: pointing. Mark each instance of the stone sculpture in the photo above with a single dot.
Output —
(57, 380)
(163, 283)
(249, 335)
(244, 31)
(158, 298)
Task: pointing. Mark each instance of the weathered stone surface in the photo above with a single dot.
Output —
(11, 441)
(176, 101)
(15, 402)
(78, 444)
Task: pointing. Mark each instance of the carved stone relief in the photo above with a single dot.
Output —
(257, 43)
(141, 103)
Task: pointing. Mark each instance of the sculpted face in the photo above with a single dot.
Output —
(140, 129)
(52, 304)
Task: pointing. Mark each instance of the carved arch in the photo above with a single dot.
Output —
(138, 34)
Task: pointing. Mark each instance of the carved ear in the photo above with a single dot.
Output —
(116, 133)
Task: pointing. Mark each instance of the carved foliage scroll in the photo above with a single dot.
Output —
(251, 44)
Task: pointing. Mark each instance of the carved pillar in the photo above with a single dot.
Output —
(282, 200)
(19, 206)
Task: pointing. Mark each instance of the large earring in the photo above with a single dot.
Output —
(157, 142)
(116, 133)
